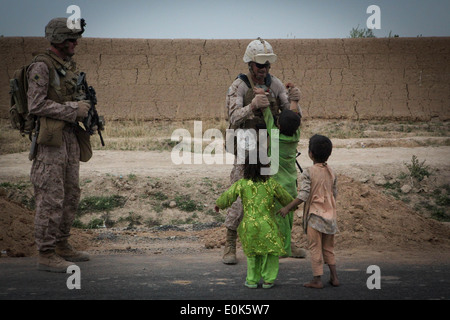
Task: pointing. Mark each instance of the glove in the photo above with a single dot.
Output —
(83, 109)
(260, 101)
(294, 94)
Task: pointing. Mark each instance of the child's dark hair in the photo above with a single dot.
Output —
(320, 147)
(252, 171)
(289, 122)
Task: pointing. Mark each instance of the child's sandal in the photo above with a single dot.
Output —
(251, 286)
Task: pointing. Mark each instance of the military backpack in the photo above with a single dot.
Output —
(18, 110)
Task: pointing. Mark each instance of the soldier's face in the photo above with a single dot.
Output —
(260, 70)
(67, 48)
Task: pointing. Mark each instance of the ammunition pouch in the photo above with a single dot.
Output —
(50, 133)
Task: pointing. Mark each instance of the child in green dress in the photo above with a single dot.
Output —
(259, 233)
(288, 123)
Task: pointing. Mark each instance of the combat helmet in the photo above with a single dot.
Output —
(259, 51)
(56, 31)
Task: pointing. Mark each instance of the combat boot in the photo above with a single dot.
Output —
(65, 250)
(229, 254)
(50, 261)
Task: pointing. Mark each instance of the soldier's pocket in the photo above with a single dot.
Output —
(37, 175)
(45, 176)
(50, 133)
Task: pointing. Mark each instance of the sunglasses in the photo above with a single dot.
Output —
(72, 40)
(260, 66)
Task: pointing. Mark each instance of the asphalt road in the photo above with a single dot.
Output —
(198, 279)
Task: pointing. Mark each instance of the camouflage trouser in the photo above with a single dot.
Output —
(235, 213)
(55, 176)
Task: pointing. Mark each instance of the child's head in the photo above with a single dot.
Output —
(288, 122)
(253, 171)
(320, 148)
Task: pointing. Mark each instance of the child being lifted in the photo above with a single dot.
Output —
(288, 122)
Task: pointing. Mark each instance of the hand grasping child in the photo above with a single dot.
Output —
(260, 101)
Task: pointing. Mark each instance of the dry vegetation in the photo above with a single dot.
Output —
(156, 135)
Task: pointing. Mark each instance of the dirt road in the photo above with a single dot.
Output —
(355, 162)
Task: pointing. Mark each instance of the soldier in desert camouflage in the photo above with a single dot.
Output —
(52, 96)
(244, 113)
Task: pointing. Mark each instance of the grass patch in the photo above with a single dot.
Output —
(95, 223)
(17, 186)
(100, 203)
(159, 196)
(216, 215)
(132, 219)
(185, 203)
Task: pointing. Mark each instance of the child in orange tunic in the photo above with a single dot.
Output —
(318, 191)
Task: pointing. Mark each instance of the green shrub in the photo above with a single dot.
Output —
(100, 203)
(418, 170)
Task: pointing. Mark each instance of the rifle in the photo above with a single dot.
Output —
(33, 137)
(93, 120)
(298, 164)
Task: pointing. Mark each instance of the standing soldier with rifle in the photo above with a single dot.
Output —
(54, 99)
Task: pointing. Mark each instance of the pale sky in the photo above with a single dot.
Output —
(228, 19)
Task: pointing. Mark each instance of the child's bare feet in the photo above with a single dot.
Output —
(315, 283)
(334, 281)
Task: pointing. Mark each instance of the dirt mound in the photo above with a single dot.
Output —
(17, 230)
(366, 218)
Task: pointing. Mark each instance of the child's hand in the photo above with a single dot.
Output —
(217, 209)
(290, 85)
(283, 212)
(293, 92)
(260, 101)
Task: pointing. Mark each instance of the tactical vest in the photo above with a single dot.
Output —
(62, 77)
(258, 120)
(62, 88)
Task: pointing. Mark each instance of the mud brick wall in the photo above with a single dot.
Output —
(389, 78)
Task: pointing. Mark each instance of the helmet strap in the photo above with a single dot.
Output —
(252, 73)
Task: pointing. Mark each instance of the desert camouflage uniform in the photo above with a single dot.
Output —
(240, 115)
(55, 170)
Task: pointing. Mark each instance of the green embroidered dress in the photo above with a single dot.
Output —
(259, 232)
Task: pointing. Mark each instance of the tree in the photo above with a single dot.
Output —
(361, 33)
